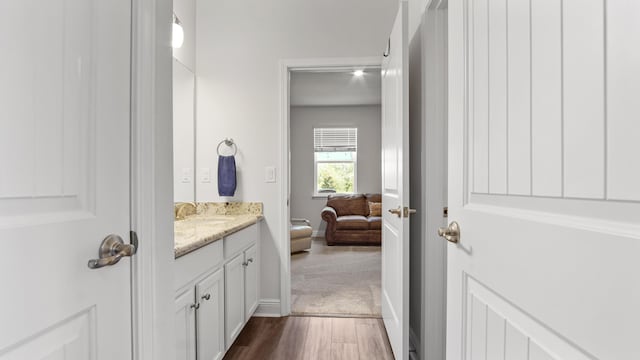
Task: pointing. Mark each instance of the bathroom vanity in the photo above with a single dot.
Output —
(217, 245)
(216, 277)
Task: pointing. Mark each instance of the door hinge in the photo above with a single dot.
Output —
(133, 240)
(445, 212)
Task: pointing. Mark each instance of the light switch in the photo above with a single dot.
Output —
(270, 174)
(205, 175)
(186, 175)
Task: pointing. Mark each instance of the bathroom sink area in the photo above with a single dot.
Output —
(212, 222)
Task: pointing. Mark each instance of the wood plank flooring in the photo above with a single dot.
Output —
(321, 338)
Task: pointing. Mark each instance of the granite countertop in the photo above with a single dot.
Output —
(211, 223)
(196, 231)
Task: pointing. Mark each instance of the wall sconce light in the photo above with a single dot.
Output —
(177, 33)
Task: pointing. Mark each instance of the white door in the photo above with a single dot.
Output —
(544, 179)
(395, 187)
(185, 325)
(250, 281)
(210, 317)
(64, 183)
(233, 298)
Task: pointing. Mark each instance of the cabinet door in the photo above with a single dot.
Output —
(250, 281)
(234, 298)
(210, 294)
(185, 319)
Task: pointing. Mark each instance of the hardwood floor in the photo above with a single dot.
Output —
(322, 338)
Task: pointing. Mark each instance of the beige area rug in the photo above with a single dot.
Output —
(336, 280)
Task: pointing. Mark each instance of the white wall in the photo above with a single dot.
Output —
(239, 47)
(322, 88)
(303, 119)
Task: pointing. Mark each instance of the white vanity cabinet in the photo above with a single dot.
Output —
(185, 323)
(234, 295)
(250, 281)
(210, 317)
(241, 284)
(216, 294)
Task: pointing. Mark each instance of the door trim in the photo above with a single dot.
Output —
(151, 180)
(434, 99)
(286, 66)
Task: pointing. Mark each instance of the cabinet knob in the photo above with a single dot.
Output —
(206, 297)
(250, 260)
(195, 306)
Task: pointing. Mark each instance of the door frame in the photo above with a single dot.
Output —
(151, 180)
(286, 67)
(434, 99)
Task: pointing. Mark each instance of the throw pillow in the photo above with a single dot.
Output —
(375, 209)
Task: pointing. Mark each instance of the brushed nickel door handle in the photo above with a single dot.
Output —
(397, 212)
(406, 211)
(451, 233)
(111, 251)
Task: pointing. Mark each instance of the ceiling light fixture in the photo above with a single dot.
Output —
(177, 33)
(358, 73)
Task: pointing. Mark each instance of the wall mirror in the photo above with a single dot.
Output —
(183, 133)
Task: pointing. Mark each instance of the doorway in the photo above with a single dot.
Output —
(288, 69)
(335, 146)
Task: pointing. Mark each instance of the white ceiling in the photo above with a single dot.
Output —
(325, 88)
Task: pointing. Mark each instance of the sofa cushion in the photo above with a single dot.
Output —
(375, 222)
(374, 197)
(375, 208)
(352, 222)
(355, 204)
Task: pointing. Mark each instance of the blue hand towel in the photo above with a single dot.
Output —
(226, 175)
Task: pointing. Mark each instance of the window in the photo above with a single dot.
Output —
(335, 160)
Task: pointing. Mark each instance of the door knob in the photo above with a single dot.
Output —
(397, 212)
(408, 211)
(111, 251)
(403, 211)
(451, 232)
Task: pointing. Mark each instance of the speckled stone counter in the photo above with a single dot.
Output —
(212, 222)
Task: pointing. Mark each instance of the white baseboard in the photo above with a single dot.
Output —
(268, 308)
(414, 345)
(317, 233)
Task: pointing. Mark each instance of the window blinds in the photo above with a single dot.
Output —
(335, 139)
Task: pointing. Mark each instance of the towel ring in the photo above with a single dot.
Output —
(229, 143)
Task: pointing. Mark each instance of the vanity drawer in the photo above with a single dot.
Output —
(240, 240)
(194, 264)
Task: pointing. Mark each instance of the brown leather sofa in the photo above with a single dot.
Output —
(349, 222)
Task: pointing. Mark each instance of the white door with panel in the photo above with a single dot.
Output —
(64, 184)
(395, 186)
(185, 325)
(544, 179)
(250, 281)
(210, 316)
(234, 298)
